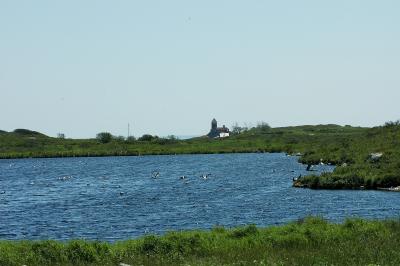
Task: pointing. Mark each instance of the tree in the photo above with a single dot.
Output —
(147, 137)
(104, 137)
(263, 126)
(168, 140)
(236, 129)
(392, 123)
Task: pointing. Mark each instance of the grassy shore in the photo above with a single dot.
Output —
(349, 148)
(311, 241)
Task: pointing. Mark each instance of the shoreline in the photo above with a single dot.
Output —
(364, 157)
(134, 154)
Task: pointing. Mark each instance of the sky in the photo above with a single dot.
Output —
(170, 67)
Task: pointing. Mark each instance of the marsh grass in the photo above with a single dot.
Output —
(310, 241)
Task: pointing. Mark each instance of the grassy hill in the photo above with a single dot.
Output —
(25, 143)
(347, 147)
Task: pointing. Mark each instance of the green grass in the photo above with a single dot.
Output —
(327, 143)
(311, 241)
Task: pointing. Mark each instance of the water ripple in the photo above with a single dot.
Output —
(113, 198)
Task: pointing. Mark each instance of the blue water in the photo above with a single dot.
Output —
(113, 198)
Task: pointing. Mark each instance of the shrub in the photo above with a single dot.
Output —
(236, 129)
(389, 180)
(169, 140)
(244, 231)
(392, 123)
(104, 137)
(81, 252)
(263, 126)
(151, 244)
(119, 138)
(147, 137)
(48, 253)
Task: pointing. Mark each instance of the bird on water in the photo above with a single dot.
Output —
(155, 174)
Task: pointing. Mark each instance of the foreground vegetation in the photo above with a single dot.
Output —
(311, 241)
(349, 148)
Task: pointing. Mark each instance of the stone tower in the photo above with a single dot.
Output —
(214, 124)
(214, 129)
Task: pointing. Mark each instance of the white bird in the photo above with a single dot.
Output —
(205, 176)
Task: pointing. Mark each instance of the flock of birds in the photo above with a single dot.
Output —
(156, 174)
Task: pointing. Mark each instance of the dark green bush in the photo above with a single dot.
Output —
(150, 245)
(81, 252)
(48, 253)
(147, 137)
(104, 137)
(244, 231)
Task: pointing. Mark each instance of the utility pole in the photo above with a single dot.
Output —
(128, 131)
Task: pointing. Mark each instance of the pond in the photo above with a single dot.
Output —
(116, 198)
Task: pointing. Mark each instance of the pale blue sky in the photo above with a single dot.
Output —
(169, 67)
